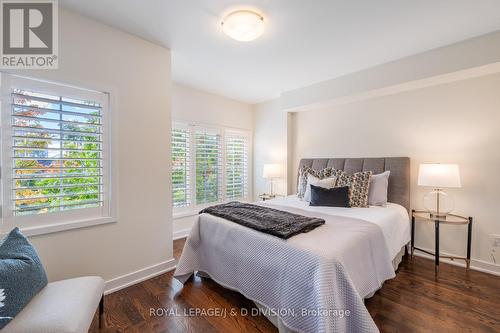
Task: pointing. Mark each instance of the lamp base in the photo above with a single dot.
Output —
(438, 203)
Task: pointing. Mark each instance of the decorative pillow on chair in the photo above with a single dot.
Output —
(359, 184)
(306, 170)
(21, 275)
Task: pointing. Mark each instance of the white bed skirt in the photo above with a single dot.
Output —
(276, 321)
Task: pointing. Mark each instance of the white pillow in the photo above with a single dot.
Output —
(325, 183)
(377, 191)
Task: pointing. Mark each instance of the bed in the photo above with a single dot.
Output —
(315, 281)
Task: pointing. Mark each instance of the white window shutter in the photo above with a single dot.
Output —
(56, 153)
(180, 166)
(236, 166)
(208, 166)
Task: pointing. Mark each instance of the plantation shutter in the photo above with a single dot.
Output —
(180, 166)
(208, 166)
(236, 166)
(56, 152)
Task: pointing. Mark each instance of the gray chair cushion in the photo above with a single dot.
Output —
(66, 306)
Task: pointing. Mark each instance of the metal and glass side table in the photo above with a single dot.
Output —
(450, 219)
(266, 196)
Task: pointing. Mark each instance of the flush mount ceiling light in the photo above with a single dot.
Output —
(243, 25)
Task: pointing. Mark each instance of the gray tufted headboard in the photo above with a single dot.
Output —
(399, 180)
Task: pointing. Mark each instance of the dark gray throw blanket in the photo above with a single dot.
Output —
(268, 220)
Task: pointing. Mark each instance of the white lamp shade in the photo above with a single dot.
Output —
(439, 175)
(271, 171)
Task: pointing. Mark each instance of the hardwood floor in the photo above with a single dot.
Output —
(411, 302)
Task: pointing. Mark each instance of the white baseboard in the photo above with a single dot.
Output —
(181, 233)
(477, 265)
(138, 276)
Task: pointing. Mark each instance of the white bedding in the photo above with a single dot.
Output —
(392, 218)
(332, 268)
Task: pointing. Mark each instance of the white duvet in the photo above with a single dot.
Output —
(393, 219)
(311, 280)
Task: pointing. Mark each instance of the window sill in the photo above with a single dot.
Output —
(187, 212)
(52, 228)
(184, 214)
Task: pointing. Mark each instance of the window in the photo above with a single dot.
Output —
(218, 164)
(236, 166)
(180, 166)
(55, 153)
(208, 166)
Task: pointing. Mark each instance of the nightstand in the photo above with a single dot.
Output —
(450, 219)
(266, 196)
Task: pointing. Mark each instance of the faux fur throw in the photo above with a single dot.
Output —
(268, 220)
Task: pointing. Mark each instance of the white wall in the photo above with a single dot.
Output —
(193, 105)
(200, 107)
(269, 145)
(137, 73)
(452, 123)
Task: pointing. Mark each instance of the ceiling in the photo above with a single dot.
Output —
(305, 42)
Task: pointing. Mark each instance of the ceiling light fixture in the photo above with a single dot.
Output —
(243, 25)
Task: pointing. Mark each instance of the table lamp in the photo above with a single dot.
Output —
(439, 176)
(271, 172)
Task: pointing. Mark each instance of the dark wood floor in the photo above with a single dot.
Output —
(412, 302)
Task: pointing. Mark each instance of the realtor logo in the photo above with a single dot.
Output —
(29, 34)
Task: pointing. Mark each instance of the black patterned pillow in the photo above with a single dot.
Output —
(343, 179)
(307, 170)
(359, 184)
